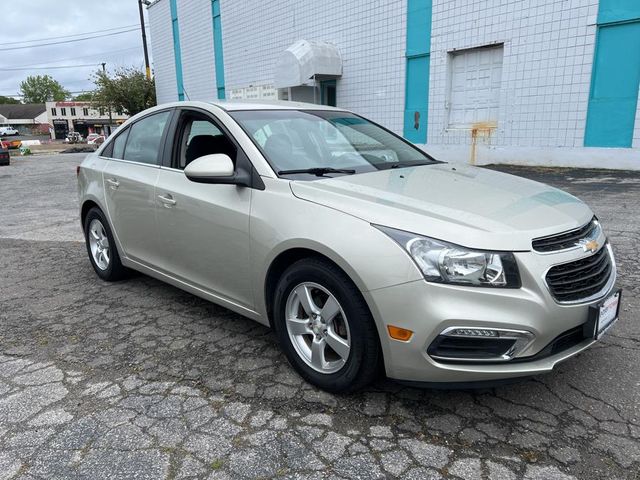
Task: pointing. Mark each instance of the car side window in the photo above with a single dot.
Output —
(145, 139)
(118, 145)
(200, 136)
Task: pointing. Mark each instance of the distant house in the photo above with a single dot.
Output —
(29, 118)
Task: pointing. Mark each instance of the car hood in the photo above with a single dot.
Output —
(470, 206)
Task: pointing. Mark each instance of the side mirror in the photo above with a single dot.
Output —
(214, 168)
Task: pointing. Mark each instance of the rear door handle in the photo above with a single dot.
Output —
(113, 183)
(167, 200)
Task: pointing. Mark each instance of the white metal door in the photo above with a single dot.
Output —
(474, 94)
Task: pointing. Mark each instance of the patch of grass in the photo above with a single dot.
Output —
(217, 464)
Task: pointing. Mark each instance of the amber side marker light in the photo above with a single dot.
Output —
(398, 333)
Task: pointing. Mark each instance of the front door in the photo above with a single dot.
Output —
(328, 93)
(204, 228)
(129, 185)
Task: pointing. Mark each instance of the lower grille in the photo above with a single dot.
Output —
(580, 279)
(566, 340)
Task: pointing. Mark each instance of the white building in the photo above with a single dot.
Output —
(29, 118)
(482, 81)
(82, 117)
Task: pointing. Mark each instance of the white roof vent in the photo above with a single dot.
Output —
(307, 60)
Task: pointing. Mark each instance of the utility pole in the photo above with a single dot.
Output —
(104, 70)
(144, 39)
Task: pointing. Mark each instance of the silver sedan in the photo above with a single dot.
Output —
(365, 254)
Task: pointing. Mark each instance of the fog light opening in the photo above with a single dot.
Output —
(478, 344)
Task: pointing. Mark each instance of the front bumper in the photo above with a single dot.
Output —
(429, 308)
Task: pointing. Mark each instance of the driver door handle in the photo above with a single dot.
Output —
(167, 200)
(113, 183)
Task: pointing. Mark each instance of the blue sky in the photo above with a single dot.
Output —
(32, 22)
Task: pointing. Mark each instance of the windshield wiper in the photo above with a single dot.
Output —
(318, 171)
(417, 163)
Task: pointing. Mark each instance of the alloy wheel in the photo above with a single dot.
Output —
(99, 244)
(318, 327)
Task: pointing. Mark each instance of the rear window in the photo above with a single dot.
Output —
(145, 138)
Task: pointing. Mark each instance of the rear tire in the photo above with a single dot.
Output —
(336, 346)
(101, 247)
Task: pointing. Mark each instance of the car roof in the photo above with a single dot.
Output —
(235, 105)
(231, 105)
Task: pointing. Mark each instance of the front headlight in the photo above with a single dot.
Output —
(445, 262)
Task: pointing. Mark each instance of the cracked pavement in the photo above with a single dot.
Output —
(138, 379)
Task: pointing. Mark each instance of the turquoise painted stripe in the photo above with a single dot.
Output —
(217, 48)
(615, 76)
(176, 48)
(618, 11)
(417, 70)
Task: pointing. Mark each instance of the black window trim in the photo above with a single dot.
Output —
(171, 145)
(161, 153)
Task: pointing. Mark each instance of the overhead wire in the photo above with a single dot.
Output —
(71, 41)
(48, 68)
(35, 40)
(97, 55)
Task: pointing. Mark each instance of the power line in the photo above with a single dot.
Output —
(94, 55)
(71, 35)
(75, 40)
(20, 95)
(47, 68)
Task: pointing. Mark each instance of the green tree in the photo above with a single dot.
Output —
(42, 88)
(5, 100)
(84, 97)
(127, 90)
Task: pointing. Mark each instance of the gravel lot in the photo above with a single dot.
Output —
(141, 380)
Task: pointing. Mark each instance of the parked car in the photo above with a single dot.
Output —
(73, 137)
(358, 248)
(8, 130)
(95, 139)
(10, 144)
(4, 156)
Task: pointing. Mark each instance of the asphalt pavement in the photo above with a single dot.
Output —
(138, 379)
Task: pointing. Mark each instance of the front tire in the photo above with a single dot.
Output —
(101, 247)
(325, 328)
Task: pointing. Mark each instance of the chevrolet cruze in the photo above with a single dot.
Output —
(361, 251)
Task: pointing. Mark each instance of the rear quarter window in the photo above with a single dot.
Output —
(119, 144)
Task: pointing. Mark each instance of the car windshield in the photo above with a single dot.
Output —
(327, 142)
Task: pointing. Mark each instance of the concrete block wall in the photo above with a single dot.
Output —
(198, 57)
(161, 41)
(546, 73)
(370, 35)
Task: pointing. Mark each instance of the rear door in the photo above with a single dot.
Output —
(204, 228)
(129, 183)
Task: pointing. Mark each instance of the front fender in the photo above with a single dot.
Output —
(281, 222)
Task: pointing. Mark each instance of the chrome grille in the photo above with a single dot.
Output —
(580, 279)
(562, 241)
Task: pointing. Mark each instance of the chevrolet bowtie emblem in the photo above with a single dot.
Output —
(589, 245)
